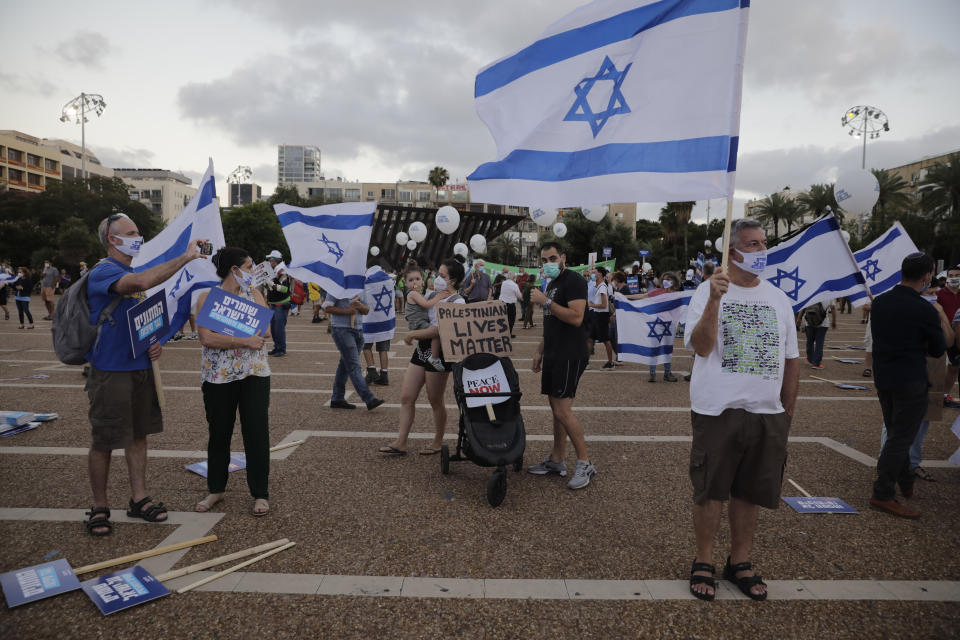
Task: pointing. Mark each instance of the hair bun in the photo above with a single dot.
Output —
(216, 258)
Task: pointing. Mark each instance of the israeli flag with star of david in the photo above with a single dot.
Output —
(880, 262)
(379, 296)
(329, 244)
(646, 328)
(814, 266)
(200, 219)
(618, 101)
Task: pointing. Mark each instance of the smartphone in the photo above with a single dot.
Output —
(206, 248)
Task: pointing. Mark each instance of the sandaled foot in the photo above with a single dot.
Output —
(208, 503)
(702, 583)
(430, 451)
(260, 507)
(390, 450)
(749, 583)
(923, 474)
(148, 510)
(99, 522)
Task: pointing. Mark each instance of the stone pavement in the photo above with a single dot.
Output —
(389, 547)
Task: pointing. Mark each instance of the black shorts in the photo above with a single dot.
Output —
(383, 345)
(600, 326)
(953, 356)
(423, 351)
(559, 378)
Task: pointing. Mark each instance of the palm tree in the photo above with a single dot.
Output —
(669, 226)
(438, 177)
(894, 198)
(504, 249)
(816, 200)
(775, 209)
(941, 189)
(683, 210)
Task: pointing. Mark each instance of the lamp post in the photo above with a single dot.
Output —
(864, 121)
(77, 109)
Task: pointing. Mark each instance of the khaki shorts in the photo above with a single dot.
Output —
(123, 407)
(739, 454)
(46, 294)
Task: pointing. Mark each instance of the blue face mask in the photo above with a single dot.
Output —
(551, 270)
(593, 277)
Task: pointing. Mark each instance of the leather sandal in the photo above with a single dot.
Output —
(707, 580)
(150, 514)
(746, 583)
(99, 519)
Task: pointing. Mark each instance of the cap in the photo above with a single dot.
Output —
(275, 254)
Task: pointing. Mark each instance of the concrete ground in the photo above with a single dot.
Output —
(389, 547)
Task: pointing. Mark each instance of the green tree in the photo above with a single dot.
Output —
(254, 227)
(438, 177)
(894, 200)
(584, 237)
(682, 218)
(777, 208)
(286, 195)
(816, 200)
(504, 250)
(77, 243)
(941, 190)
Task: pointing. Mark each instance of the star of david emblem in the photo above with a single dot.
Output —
(872, 269)
(793, 276)
(176, 287)
(659, 329)
(581, 109)
(380, 305)
(332, 246)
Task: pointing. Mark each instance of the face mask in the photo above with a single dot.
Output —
(953, 283)
(593, 277)
(925, 287)
(129, 246)
(551, 270)
(245, 279)
(667, 284)
(754, 262)
(439, 284)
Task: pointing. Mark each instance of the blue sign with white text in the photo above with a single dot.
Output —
(232, 315)
(643, 253)
(237, 461)
(123, 589)
(38, 582)
(803, 504)
(148, 322)
(634, 283)
(607, 252)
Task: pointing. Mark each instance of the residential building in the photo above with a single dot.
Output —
(914, 173)
(29, 163)
(241, 194)
(298, 163)
(164, 192)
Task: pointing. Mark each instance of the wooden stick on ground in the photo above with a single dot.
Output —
(217, 576)
(822, 379)
(200, 566)
(799, 488)
(143, 554)
(287, 445)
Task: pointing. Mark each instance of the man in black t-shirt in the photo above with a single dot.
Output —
(565, 344)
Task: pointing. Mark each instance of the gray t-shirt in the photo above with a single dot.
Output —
(50, 275)
(481, 291)
(338, 320)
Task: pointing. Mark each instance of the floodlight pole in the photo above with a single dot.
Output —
(83, 136)
(70, 111)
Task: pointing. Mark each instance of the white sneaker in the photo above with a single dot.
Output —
(581, 477)
(547, 467)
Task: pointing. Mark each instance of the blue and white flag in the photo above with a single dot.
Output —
(646, 328)
(814, 266)
(378, 293)
(329, 244)
(6, 278)
(880, 262)
(618, 101)
(199, 219)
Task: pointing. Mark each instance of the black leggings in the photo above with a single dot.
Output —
(221, 401)
(511, 315)
(23, 307)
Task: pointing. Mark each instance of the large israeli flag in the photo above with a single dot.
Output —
(880, 262)
(328, 244)
(646, 328)
(200, 219)
(381, 323)
(814, 266)
(619, 101)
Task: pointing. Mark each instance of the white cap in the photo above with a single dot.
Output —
(275, 254)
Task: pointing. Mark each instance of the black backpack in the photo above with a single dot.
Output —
(815, 315)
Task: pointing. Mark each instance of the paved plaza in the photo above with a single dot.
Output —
(389, 547)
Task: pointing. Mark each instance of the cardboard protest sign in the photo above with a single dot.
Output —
(148, 322)
(237, 461)
(38, 582)
(263, 274)
(592, 258)
(481, 327)
(232, 315)
(123, 589)
(803, 504)
(492, 379)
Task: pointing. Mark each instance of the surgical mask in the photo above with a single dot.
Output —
(953, 283)
(244, 278)
(551, 270)
(925, 287)
(439, 284)
(667, 284)
(593, 277)
(129, 246)
(754, 262)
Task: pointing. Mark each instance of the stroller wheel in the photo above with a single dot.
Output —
(445, 460)
(518, 465)
(497, 487)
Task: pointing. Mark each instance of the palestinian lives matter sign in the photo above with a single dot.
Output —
(466, 329)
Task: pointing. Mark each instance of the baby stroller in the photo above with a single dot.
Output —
(491, 432)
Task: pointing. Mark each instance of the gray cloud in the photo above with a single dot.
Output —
(87, 48)
(13, 83)
(125, 158)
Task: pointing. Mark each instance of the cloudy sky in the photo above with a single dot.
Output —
(385, 88)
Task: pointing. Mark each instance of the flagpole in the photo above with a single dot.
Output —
(726, 232)
(852, 257)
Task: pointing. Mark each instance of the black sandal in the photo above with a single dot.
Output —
(150, 514)
(745, 583)
(707, 580)
(99, 519)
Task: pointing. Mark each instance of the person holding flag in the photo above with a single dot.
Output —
(379, 324)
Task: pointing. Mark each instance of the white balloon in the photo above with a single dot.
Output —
(374, 250)
(559, 229)
(417, 231)
(460, 249)
(595, 212)
(647, 266)
(402, 237)
(846, 235)
(718, 244)
(543, 216)
(856, 191)
(447, 219)
(412, 244)
(707, 243)
(478, 243)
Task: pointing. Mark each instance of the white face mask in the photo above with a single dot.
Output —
(667, 284)
(244, 278)
(129, 246)
(754, 262)
(439, 284)
(953, 283)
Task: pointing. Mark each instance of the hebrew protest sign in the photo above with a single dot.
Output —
(232, 315)
(148, 322)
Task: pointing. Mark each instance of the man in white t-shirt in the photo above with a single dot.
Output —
(742, 395)
(510, 295)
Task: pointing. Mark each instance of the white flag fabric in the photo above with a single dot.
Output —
(646, 328)
(381, 323)
(880, 262)
(199, 219)
(618, 101)
(814, 266)
(6, 278)
(328, 244)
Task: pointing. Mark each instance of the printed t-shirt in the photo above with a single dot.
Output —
(562, 341)
(756, 334)
(113, 351)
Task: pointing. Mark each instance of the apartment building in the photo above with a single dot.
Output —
(241, 194)
(29, 163)
(298, 164)
(164, 192)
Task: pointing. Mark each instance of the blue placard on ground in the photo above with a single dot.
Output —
(232, 315)
(148, 322)
(237, 461)
(804, 504)
(123, 589)
(38, 582)
(633, 282)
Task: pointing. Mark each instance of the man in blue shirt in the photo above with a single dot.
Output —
(349, 341)
(123, 400)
